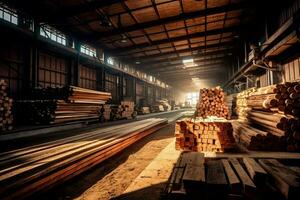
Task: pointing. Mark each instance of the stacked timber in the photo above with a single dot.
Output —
(144, 110)
(158, 108)
(211, 135)
(60, 105)
(231, 102)
(6, 116)
(230, 178)
(126, 109)
(212, 103)
(273, 110)
(106, 112)
(241, 103)
(32, 169)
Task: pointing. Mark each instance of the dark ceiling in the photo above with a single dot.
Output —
(157, 34)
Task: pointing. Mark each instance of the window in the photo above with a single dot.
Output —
(110, 61)
(53, 34)
(8, 14)
(88, 50)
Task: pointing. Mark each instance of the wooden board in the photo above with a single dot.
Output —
(248, 186)
(233, 181)
(285, 179)
(256, 172)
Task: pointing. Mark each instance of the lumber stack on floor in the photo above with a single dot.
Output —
(272, 120)
(56, 105)
(106, 112)
(212, 135)
(126, 109)
(29, 170)
(212, 103)
(241, 103)
(6, 116)
(194, 176)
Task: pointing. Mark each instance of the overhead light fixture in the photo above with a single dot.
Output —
(124, 39)
(137, 62)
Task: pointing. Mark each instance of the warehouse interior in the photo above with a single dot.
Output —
(149, 99)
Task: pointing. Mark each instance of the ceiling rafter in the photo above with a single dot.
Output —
(183, 16)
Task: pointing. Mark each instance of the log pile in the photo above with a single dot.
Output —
(204, 135)
(241, 103)
(212, 103)
(29, 170)
(273, 110)
(6, 116)
(231, 178)
(56, 105)
(144, 110)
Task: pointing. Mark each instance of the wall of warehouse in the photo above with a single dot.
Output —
(27, 60)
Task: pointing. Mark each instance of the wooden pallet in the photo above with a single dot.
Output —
(194, 176)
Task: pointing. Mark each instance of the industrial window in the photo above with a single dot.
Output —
(88, 78)
(8, 14)
(53, 34)
(111, 85)
(12, 66)
(53, 71)
(90, 51)
(110, 61)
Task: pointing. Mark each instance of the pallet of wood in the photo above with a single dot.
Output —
(60, 105)
(126, 109)
(6, 116)
(204, 135)
(106, 112)
(212, 103)
(29, 170)
(144, 110)
(194, 176)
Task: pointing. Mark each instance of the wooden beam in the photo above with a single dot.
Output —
(180, 38)
(221, 47)
(180, 66)
(182, 16)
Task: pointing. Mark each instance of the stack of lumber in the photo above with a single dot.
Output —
(106, 112)
(212, 103)
(126, 109)
(45, 106)
(272, 120)
(6, 116)
(144, 110)
(231, 102)
(232, 178)
(241, 103)
(165, 104)
(26, 171)
(158, 108)
(212, 135)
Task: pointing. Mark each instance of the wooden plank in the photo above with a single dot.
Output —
(193, 176)
(233, 180)
(193, 158)
(215, 179)
(256, 172)
(285, 179)
(248, 185)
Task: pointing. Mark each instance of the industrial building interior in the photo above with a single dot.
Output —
(149, 99)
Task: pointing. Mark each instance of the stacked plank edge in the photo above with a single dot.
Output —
(204, 135)
(232, 178)
(271, 118)
(6, 116)
(57, 105)
(29, 170)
